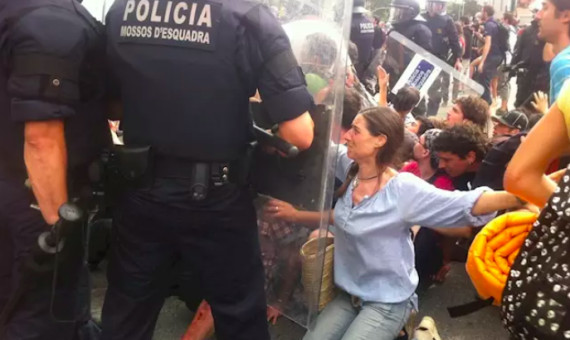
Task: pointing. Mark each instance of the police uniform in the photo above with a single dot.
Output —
(44, 47)
(362, 35)
(444, 39)
(185, 71)
(417, 31)
(528, 51)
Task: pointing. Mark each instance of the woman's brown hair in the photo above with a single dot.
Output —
(379, 121)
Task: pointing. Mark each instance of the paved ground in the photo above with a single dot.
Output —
(482, 325)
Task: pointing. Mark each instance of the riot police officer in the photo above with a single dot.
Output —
(362, 33)
(52, 126)
(405, 19)
(528, 54)
(444, 41)
(185, 71)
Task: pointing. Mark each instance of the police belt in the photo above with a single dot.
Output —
(217, 173)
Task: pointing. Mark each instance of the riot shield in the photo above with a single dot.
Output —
(318, 31)
(439, 83)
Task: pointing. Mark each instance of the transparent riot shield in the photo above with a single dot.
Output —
(299, 277)
(439, 83)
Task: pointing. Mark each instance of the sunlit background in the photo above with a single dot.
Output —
(456, 8)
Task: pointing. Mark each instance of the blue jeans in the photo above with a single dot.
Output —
(340, 320)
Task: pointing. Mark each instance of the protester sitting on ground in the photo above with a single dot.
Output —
(549, 139)
(507, 125)
(426, 164)
(403, 102)
(469, 108)
(461, 149)
(492, 169)
(423, 123)
(373, 216)
(431, 264)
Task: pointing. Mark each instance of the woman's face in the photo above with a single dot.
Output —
(360, 143)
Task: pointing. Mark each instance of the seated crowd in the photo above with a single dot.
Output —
(410, 192)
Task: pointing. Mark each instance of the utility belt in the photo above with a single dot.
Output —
(137, 167)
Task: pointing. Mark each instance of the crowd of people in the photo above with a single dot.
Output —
(459, 153)
(462, 154)
(418, 171)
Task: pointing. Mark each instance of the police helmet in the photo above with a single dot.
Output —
(436, 7)
(358, 7)
(403, 10)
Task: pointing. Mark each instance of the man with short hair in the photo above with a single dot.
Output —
(469, 108)
(492, 55)
(508, 125)
(554, 27)
(461, 149)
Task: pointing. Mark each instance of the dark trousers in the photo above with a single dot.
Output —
(215, 239)
(489, 72)
(429, 256)
(438, 91)
(34, 317)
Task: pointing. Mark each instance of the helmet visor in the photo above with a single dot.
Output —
(400, 14)
(436, 7)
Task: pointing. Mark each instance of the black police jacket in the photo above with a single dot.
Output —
(362, 34)
(444, 36)
(416, 31)
(186, 70)
(529, 48)
(44, 75)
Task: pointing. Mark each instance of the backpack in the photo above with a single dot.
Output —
(536, 298)
(503, 37)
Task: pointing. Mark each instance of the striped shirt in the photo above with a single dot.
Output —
(559, 72)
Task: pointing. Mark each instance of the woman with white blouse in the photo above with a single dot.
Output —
(377, 206)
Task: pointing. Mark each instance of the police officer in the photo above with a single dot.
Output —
(185, 71)
(362, 33)
(52, 126)
(444, 40)
(405, 19)
(528, 53)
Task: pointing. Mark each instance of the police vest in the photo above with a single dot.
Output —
(91, 76)
(179, 62)
(87, 132)
(440, 38)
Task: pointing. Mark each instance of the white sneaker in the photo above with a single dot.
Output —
(426, 330)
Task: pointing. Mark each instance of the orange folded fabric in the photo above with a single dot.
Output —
(494, 250)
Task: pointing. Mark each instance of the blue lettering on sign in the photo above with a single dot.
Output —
(420, 74)
(181, 23)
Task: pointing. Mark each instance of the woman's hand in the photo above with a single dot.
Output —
(280, 210)
(272, 315)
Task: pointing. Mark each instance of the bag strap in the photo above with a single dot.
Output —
(468, 308)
